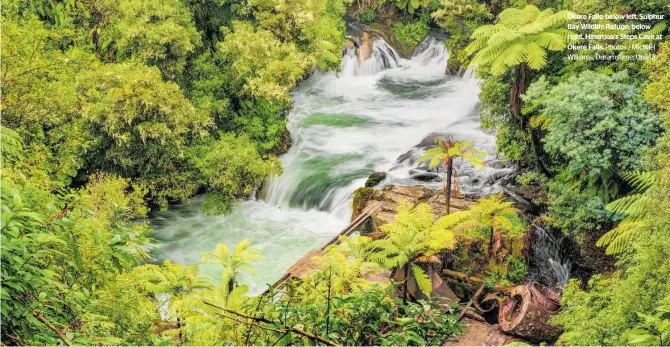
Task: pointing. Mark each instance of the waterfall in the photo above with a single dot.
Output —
(344, 127)
(355, 61)
(547, 253)
(430, 51)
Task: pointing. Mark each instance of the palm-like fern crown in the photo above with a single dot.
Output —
(519, 36)
(414, 236)
(234, 263)
(447, 149)
(634, 207)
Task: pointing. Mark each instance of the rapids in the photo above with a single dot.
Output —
(374, 115)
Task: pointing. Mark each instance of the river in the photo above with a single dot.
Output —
(369, 117)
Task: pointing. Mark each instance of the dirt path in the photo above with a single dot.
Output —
(481, 334)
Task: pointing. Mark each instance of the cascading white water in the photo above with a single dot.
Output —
(382, 57)
(546, 254)
(343, 128)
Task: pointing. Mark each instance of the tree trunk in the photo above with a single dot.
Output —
(450, 167)
(537, 150)
(404, 285)
(231, 286)
(495, 243)
(521, 78)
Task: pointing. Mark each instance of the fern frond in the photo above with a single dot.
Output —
(422, 280)
(537, 56)
(622, 205)
(477, 44)
(550, 40)
(503, 36)
(640, 180)
(486, 31)
(469, 226)
(620, 238)
(656, 29)
(451, 220)
(500, 222)
(558, 18)
(544, 15)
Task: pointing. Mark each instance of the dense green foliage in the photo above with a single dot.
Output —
(629, 299)
(596, 125)
(412, 33)
(460, 18)
(519, 37)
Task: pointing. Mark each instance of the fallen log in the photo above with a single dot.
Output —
(526, 313)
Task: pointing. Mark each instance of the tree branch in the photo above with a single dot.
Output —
(40, 316)
(467, 307)
(261, 319)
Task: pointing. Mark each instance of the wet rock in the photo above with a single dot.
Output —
(425, 166)
(470, 181)
(497, 164)
(588, 258)
(500, 176)
(360, 200)
(522, 202)
(429, 141)
(408, 156)
(425, 176)
(375, 179)
(393, 195)
(285, 143)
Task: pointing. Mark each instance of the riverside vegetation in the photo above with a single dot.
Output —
(113, 107)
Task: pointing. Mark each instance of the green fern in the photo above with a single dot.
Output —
(345, 266)
(446, 148)
(634, 208)
(520, 36)
(234, 263)
(412, 238)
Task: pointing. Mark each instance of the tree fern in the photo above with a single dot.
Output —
(234, 263)
(519, 36)
(634, 207)
(411, 238)
(520, 39)
(491, 215)
(445, 152)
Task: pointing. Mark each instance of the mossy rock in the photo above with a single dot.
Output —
(375, 179)
(361, 198)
